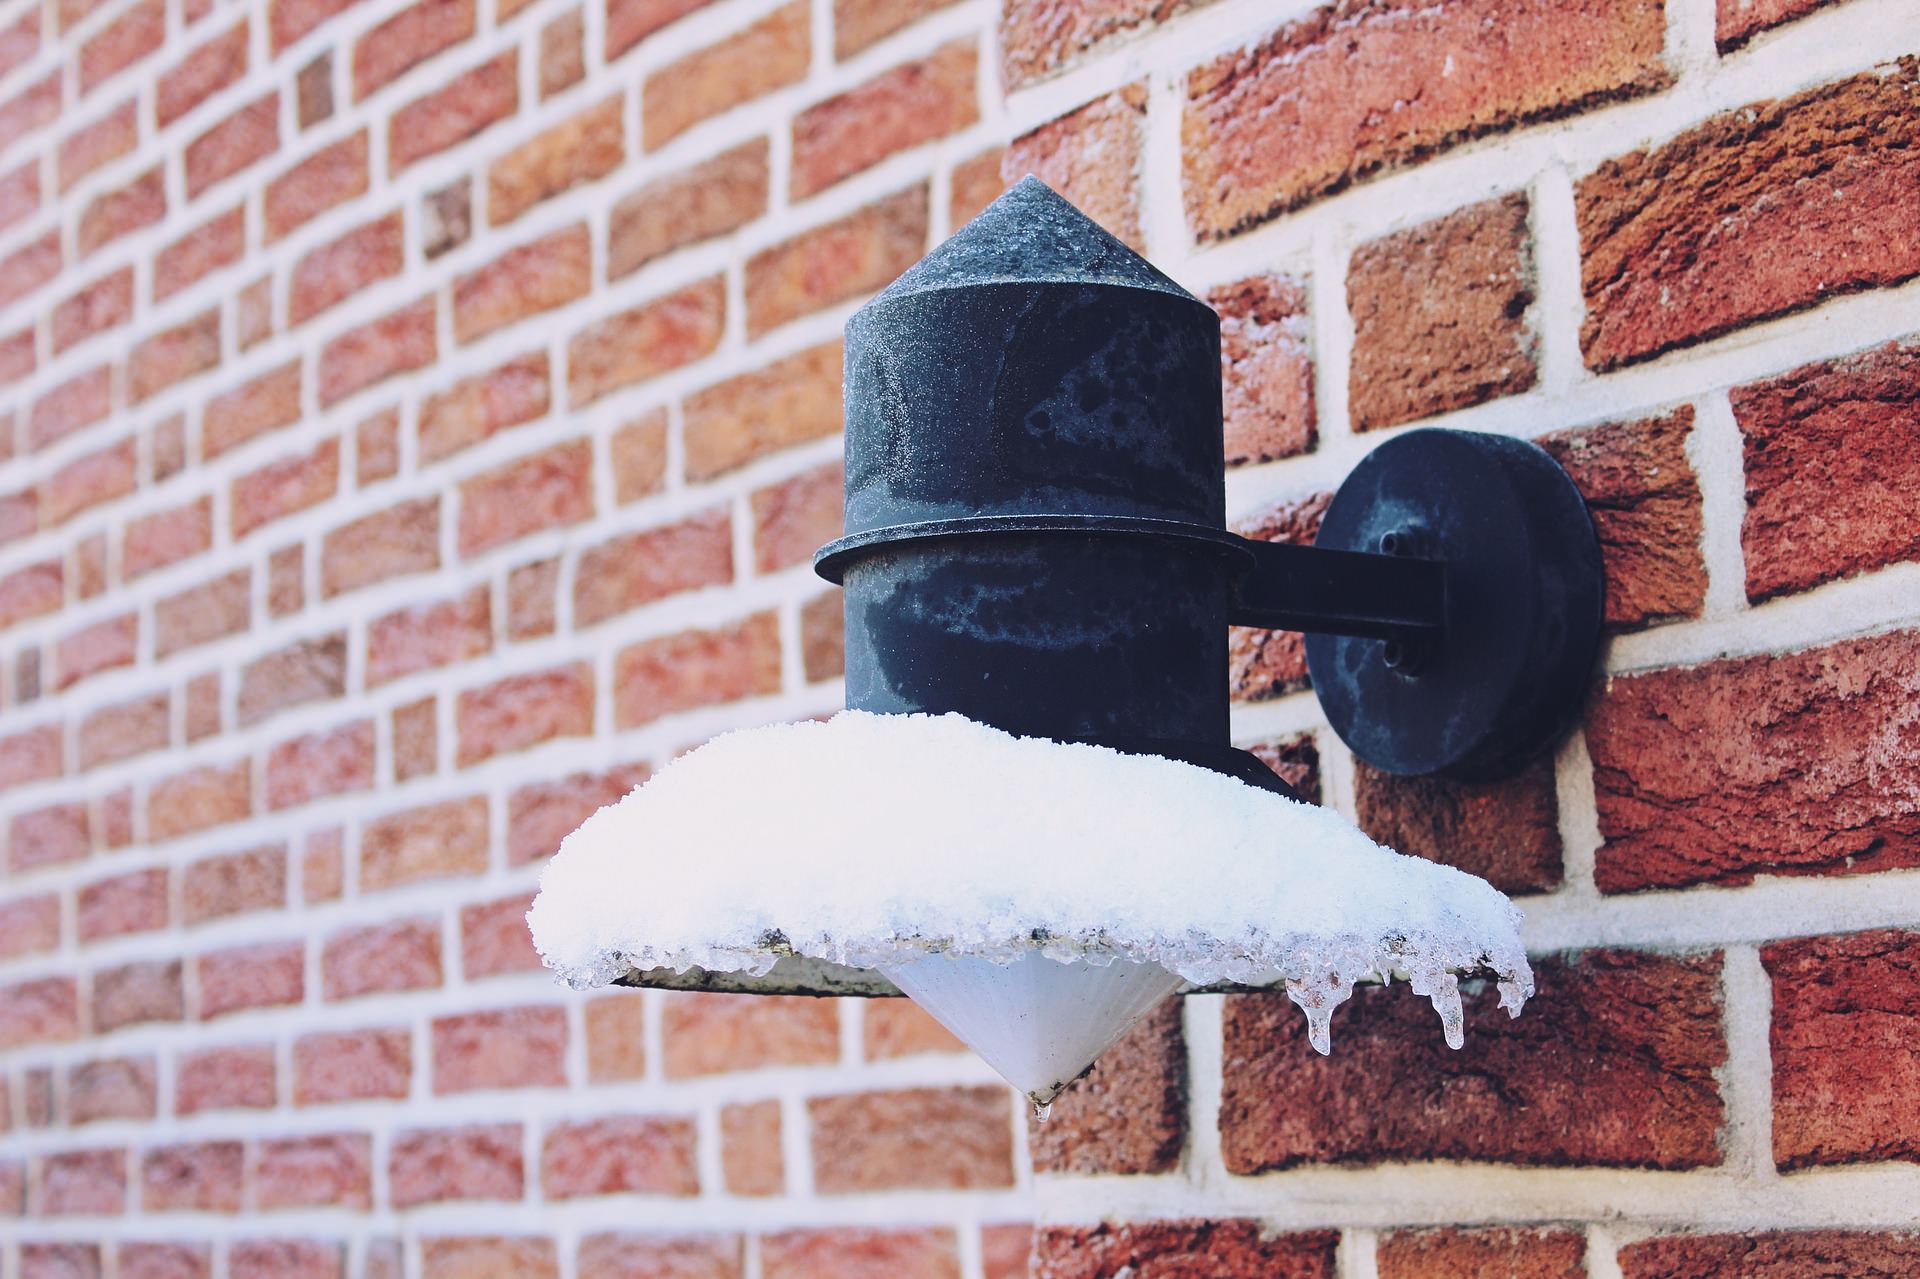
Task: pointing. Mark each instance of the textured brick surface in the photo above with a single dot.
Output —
(1738, 21)
(1482, 1254)
(1129, 1113)
(857, 254)
(912, 103)
(708, 200)
(920, 1138)
(622, 1154)
(1040, 37)
(1092, 157)
(1183, 1250)
(1507, 832)
(752, 1161)
(667, 1256)
(324, 1170)
(854, 1253)
(1266, 368)
(440, 1165)
(768, 55)
(705, 1034)
(644, 341)
(509, 1048)
(1773, 1255)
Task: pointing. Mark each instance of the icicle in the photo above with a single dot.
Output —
(1320, 1029)
(1446, 1002)
(1042, 1109)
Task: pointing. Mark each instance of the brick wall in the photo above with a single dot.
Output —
(416, 420)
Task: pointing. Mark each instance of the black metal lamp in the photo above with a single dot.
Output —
(1035, 540)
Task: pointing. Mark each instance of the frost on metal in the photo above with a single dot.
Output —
(877, 841)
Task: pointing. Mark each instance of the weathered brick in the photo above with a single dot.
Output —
(126, 40)
(523, 282)
(621, 1154)
(320, 765)
(323, 866)
(28, 926)
(479, 407)
(1266, 368)
(1129, 1114)
(136, 993)
(793, 518)
(33, 591)
(284, 487)
(88, 481)
(696, 668)
(432, 842)
(90, 569)
(200, 1177)
(237, 1078)
(1453, 1253)
(211, 67)
(60, 1261)
(1183, 1249)
(264, 975)
(306, 671)
(582, 148)
(253, 320)
(442, 1165)
(29, 267)
(416, 739)
(31, 109)
(402, 955)
(446, 218)
(706, 1034)
(426, 636)
(105, 304)
(202, 614)
(289, 20)
(645, 341)
(540, 815)
(135, 902)
(376, 448)
(1643, 496)
(786, 403)
(1757, 1254)
(505, 1048)
(1506, 831)
(1614, 1063)
(1762, 210)
(113, 214)
(84, 1183)
(1831, 449)
(1339, 96)
(220, 241)
(549, 489)
(165, 1260)
(1738, 21)
(204, 714)
(1794, 764)
(903, 107)
(708, 200)
(631, 21)
(408, 38)
(638, 568)
(19, 516)
(1092, 156)
(328, 275)
(111, 1088)
(324, 1170)
(396, 343)
(266, 403)
(97, 143)
(351, 1066)
(524, 710)
(855, 255)
(674, 1256)
(103, 646)
(488, 1257)
(287, 581)
(20, 200)
(29, 756)
(241, 140)
(562, 55)
(467, 104)
(616, 1037)
(20, 41)
(639, 455)
(402, 539)
(860, 1251)
(751, 1160)
(1006, 1250)
(494, 938)
(912, 1139)
(771, 54)
(1263, 664)
(73, 405)
(17, 360)
(286, 1259)
(123, 730)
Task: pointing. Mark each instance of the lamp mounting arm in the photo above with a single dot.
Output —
(1386, 595)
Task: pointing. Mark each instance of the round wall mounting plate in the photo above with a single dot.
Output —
(1505, 676)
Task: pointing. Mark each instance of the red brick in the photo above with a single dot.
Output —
(1266, 368)
(1507, 831)
(239, 1078)
(286, 581)
(696, 668)
(204, 714)
(211, 67)
(793, 518)
(288, 20)
(639, 568)
(165, 1261)
(1041, 37)
(285, 486)
(631, 21)
(1092, 157)
(540, 815)
(173, 356)
(326, 1170)
(307, 671)
(707, 1034)
(253, 313)
(28, 926)
(33, 591)
(135, 902)
(769, 55)
(351, 1066)
(900, 1028)
(78, 402)
(416, 739)
(19, 516)
(1830, 454)
(616, 1038)
(322, 866)
(111, 1088)
(1263, 664)
(1800, 1254)
(108, 217)
(123, 730)
(1763, 210)
(446, 217)
(220, 241)
(1005, 1250)
(523, 282)
(751, 1161)
(639, 455)
(285, 1259)
(1493, 1253)
(29, 756)
(202, 614)
(28, 268)
(90, 566)
(402, 955)
(479, 407)
(431, 842)
(30, 110)
(1613, 1063)
(320, 765)
(197, 799)
(407, 39)
(428, 635)
(84, 1183)
(87, 148)
(859, 23)
(266, 403)
(506, 1048)
(1796, 764)
(204, 1177)
(845, 259)
(166, 537)
(466, 105)
(488, 1257)
(16, 362)
(1439, 315)
(582, 148)
(330, 274)
(396, 343)
(708, 200)
(376, 448)
(855, 1252)
(60, 1261)
(132, 994)
(331, 176)
(912, 1139)
(1183, 1250)
(126, 40)
(662, 1256)
(1645, 502)
(645, 341)
(20, 42)
(20, 199)
(1336, 97)
(103, 646)
(1128, 1115)
(562, 57)
(524, 710)
(88, 481)
(267, 975)
(624, 1154)
(244, 138)
(440, 1165)
(550, 489)
(975, 183)
(903, 107)
(1738, 21)
(402, 539)
(494, 938)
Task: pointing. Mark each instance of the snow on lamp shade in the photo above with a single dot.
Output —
(1035, 897)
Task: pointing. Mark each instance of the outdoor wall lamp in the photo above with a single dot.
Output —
(1030, 819)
